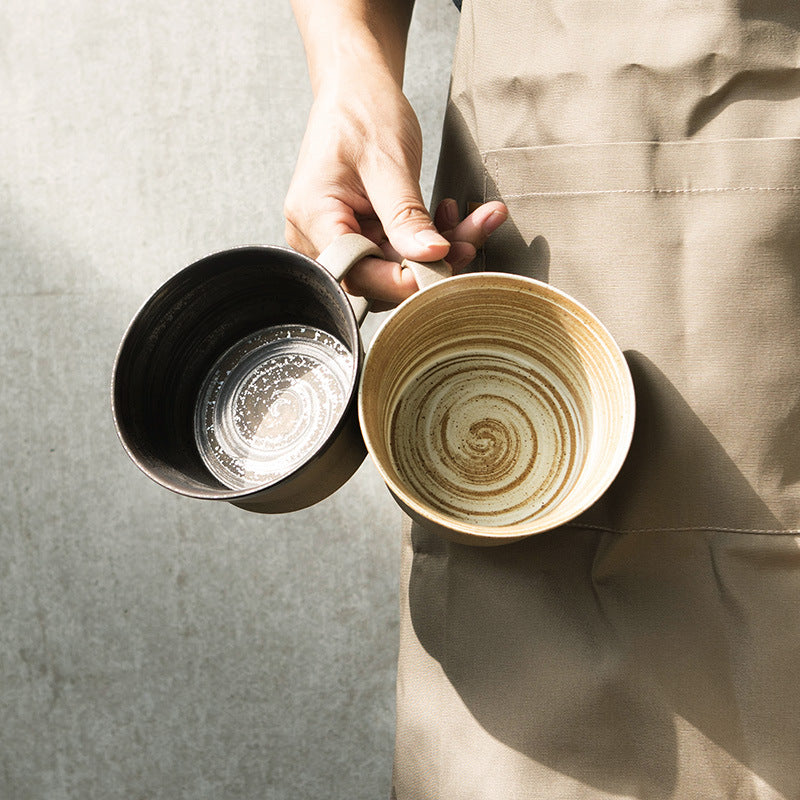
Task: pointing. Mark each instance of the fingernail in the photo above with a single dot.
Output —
(494, 221)
(450, 211)
(461, 254)
(429, 238)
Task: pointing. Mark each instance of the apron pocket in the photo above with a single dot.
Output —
(688, 252)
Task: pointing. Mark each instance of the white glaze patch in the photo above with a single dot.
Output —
(269, 402)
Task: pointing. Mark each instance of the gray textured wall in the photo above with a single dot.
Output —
(153, 646)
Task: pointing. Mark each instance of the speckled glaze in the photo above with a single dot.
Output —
(270, 401)
(237, 379)
(495, 407)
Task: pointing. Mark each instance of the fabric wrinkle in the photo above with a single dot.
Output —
(649, 156)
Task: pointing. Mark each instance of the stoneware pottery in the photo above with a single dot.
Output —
(237, 379)
(495, 406)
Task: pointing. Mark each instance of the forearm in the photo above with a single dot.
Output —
(359, 163)
(345, 38)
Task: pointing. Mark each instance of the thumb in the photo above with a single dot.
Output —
(397, 201)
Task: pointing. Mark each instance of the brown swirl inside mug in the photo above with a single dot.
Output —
(489, 437)
(495, 406)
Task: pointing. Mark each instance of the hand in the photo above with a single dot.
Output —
(358, 171)
(386, 281)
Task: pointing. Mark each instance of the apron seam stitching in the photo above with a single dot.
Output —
(622, 143)
(686, 529)
(656, 190)
(485, 199)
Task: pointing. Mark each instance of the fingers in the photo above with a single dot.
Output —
(476, 227)
(467, 236)
(461, 255)
(447, 215)
(375, 191)
(397, 203)
(314, 222)
(385, 281)
(381, 280)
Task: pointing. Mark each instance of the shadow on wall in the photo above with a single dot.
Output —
(130, 619)
(775, 10)
(615, 658)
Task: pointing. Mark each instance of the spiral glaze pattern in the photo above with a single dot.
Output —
(269, 402)
(488, 438)
(495, 407)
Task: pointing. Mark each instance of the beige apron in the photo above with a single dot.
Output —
(648, 153)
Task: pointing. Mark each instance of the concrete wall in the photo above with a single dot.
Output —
(153, 646)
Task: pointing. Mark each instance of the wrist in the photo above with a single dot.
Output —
(341, 51)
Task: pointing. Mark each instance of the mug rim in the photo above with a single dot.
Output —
(250, 493)
(428, 514)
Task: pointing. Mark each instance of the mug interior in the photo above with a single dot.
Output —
(495, 405)
(182, 330)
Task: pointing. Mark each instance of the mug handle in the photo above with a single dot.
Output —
(341, 254)
(427, 272)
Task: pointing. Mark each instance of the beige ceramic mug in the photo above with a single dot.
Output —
(494, 406)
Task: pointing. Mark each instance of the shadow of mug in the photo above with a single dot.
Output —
(604, 654)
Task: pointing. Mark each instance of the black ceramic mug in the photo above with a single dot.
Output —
(237, 380)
